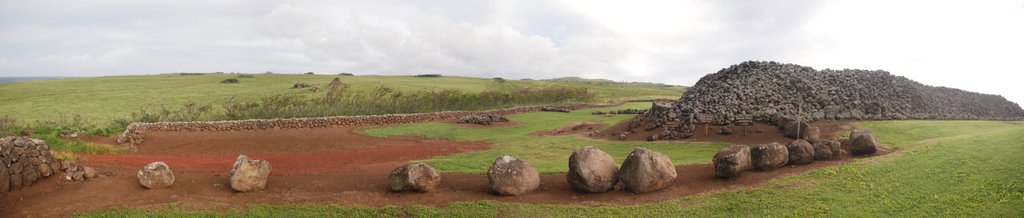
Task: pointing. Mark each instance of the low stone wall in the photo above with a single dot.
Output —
(135, 133)
(24, 161)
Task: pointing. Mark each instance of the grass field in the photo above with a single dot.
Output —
(548, 154)
(942, 169)
(102, 99)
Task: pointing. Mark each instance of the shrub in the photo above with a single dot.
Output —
(499, 80)
(246, 76)
(309, 73)
(428, 75)
(190, 74)
(346, 74)
(230, 81)
(9, 126)
(268, 72)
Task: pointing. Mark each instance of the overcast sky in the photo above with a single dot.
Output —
(972, 45)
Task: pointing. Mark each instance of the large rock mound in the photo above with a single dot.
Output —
(767, 89)
(592, 170)
(646, 171)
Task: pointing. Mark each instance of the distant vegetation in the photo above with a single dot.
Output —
(346, 74)
(230, 81)
(191, 74)
(246, 76)
(428, 75)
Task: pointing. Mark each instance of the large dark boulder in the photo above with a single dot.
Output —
(769, 156)
(646, 171)
(419, 177)
(863, 142)
(827, 150)
(800, 152)
(732, 160)
(511, 176)
(592, 170)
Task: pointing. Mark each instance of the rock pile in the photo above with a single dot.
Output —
(23, 161)
(764, 90)
(557, 109)
(628, 111)
(483, 119)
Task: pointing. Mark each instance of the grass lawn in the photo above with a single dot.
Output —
(943, 168)
(548, 154)
(101, 99)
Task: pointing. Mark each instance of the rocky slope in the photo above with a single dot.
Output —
(768, 90)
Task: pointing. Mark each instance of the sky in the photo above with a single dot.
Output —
(971, 45)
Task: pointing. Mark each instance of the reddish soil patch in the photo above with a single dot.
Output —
(110, 140)
(331, 165)
(759, 133)
(575, 128)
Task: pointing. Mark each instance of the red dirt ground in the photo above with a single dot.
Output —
(329, 165)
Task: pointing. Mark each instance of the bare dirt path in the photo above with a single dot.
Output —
(329, 165)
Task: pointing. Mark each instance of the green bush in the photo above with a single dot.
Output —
(309, 73)
(346, 74)
(246, 76)
(190, 74)
(428, 75)
(230, 81)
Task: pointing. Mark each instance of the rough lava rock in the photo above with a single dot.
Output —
(863, 142)
(827, 150)
(646, 171)
(769, 156)
(800, 152)
(731, 161)
(511, 176)
(156, 175)
(419, 177)
(249, 175)
(592, 170)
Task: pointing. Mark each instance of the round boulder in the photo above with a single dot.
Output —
(864, 144)
(732, 160)
(769, 156)
(791, 127)
(511, 176)
(646, 171)
(249, 175)
(592, 170)
(859, 132)
(414, 177)
(826, 150)
(800, 152)
(156, 175)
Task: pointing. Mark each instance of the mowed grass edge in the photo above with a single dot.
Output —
(944, 168)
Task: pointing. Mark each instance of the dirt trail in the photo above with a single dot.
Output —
(330, 165)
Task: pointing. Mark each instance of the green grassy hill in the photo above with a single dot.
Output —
(105, 98)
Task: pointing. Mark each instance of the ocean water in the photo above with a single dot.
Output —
(15, 79)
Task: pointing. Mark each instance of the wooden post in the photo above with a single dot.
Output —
(705, 129)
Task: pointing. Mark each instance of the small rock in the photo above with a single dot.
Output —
(419, 177)
(89, 172)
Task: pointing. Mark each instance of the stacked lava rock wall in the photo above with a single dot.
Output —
(768, 90)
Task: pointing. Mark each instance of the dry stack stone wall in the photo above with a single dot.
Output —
(136, 132)
(768, 90)
(24, 161)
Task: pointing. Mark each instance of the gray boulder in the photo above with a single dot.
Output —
(156, 175)
(592, 170)
(732, 160)
(769, 156)
(864, 144)
(646, 171)
(249, 175)
(800, 152)
(414, 177)
(827, 150)
(511, 176)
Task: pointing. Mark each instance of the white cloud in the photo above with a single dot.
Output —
(967, 45)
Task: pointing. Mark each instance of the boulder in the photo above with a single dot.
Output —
(769, 156)
(89, 173)
(646, 171)
(732, 160)
(511, 176)
(592, 170)
(859, 132)
(414, 177)
(249, 175)
(864, 144)
(800, 152)
(725, 130)
(791, 127)
(826, 150)
(813, 134)
(154, 175)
